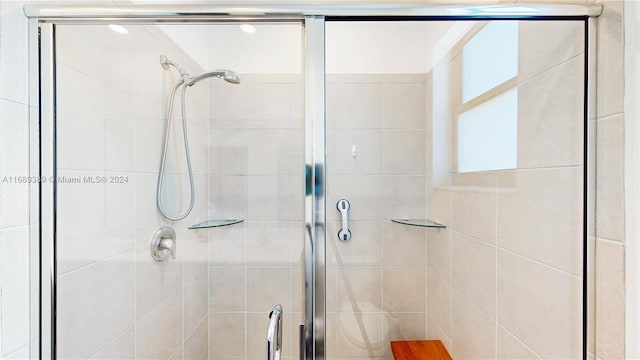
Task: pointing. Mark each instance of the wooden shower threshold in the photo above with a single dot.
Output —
(419, 350)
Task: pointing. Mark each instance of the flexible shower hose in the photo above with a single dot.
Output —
(168, 120)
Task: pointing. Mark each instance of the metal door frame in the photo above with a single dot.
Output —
(42, 20)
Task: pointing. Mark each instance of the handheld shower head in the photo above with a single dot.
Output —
(231, 77)
(227, 75)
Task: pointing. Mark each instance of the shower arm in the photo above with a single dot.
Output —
(184, 74)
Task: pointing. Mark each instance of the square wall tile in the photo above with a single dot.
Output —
(550, 117)
(194, 298)
(120, 143)
(404, 245)
(474, 205)
(404, 106)
(196, 346)
(610, 178)
(545, 44)
(353, 106)
(541, 306)
(474, 332)
(266, 287)
(227, 197)
(540, 215)
(439, 256)
(15, 288)
(610, 61)
(273, 198)
(96, 304)
(266, 101)
(438, 198)
(360, 335)
(123, 348)
(227, 245)
(403, 197)
(509, 347)
(14, 69)
(340, 159)
(403, 152)
(227, 288)
(227, 151)
(404, 289)
(269, 242)
(227, 333)
(149, 142)
(359, 289)
(439, 303)
(610, 300)
(80, 129)
(474, 271)
(274, 151)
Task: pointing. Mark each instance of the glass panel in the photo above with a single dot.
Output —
(479, 127)
(245, 140)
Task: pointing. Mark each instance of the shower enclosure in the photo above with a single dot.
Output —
(382, 173)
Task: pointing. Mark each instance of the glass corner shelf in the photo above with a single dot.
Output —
(419, 222)
(215, 223)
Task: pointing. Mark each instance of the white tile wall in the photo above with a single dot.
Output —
(376, 282)
(14, 156)
(504, 278)
(256, 174)
(14, 198)
(107, 126)
(608, 280)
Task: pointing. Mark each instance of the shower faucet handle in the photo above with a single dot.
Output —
(168, 245)
(163, 244)
(343, 206)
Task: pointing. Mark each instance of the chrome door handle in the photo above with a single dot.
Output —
(274, 334)
(343, 206)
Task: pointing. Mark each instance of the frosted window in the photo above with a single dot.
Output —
(490, 58)
(488, 135)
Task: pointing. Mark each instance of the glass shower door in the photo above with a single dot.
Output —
(459, 146)
(245, 140)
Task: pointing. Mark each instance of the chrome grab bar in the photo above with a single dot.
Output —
(274, 334)
(343, 206)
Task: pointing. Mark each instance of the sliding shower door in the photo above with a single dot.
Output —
(382, 180)
(460, 149)
(238, 251)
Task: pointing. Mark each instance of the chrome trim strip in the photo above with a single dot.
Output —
(290, 9)
(46, 150)
(315, 213)
(590, 172)
(34, 188)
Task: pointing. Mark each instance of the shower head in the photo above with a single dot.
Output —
(232, 77)
(227, 75)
